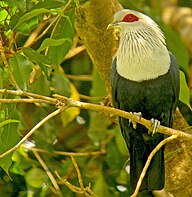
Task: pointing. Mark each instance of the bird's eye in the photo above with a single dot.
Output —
(130, 18)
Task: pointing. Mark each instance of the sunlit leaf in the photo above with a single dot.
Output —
(30, 15)
(7, 122)
(25, 27)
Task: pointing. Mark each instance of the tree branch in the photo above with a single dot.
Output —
(63, 103)
(112, 111)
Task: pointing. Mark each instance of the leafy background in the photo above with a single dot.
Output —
(51, 64)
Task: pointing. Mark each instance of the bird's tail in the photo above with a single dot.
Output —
(140, 146)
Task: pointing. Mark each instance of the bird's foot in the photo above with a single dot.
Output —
(139, 115)
(155, 123)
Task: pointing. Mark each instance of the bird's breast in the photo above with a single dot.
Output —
(151, 97)
(140, 60)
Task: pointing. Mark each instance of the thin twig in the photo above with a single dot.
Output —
(50, 175)
(32, 131)
(93, 153)
(155, 150)
(33, 38)
(90, 98)
(7, 66)
(80, 77)
(74, 51)
(78, 172)
(68, 184)
(86, 191)
(24, 101)
(28, 94)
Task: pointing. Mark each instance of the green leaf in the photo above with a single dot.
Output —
(39, 59)
(61, 84)
(36, 177)
(64, 29)
(98, 89)
(184, 95)
(49, 4)
(77, 3)
(1, 83)
(30, 15)
(21, 68)
(52, 42)
(176, 46)
(113, 158)
(120, 142)
(42, 81)
(100, 187)
(9, 136)
(25, 27)
(21, 4)
(7, 122)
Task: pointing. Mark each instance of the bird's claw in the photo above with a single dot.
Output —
(156, 124)
(139, 114)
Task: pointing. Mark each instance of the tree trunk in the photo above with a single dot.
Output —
(92, 19)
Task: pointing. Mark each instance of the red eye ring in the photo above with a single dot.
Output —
(130, 18)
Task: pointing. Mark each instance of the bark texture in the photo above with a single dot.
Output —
(92, 19)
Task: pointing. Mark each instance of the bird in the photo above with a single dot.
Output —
(145, 81)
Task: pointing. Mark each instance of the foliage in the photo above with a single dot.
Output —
(36, 37)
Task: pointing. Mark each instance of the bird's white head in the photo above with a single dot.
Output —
(142, 54)
(133, 21)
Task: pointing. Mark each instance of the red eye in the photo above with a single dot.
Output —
(130, 18)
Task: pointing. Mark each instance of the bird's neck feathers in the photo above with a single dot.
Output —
(142, 55)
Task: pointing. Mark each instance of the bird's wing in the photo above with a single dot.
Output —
(114, 81)
(175, 80)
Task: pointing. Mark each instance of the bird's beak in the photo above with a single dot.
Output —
(114, 25)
